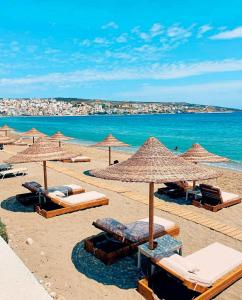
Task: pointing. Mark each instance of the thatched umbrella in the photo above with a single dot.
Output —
(41, 151)
(6, 129)
(110, 141)
(4, 140)
(154, 163)
(34, 133)
(59, 137)
(197, 154)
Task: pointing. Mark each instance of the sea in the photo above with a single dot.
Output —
(220, 133)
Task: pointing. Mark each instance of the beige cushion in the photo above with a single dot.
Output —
(74, 187)
(212, 263)
(76, 199)
(80, 158)
(227, 197)
(167, 224)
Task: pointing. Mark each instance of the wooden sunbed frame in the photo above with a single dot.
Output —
(215, 207)
(127, 248)
(68, 209)
(205, 293)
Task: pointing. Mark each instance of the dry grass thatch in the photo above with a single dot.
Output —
(6, 140)
(42, 150)
(199, 154)
(153, 162)
(33, 133)
(59, 136)
(110, 141)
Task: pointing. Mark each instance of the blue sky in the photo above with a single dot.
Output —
(123, 50)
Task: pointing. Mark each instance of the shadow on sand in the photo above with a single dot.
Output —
(180, 201)
(123, 274)
(12, 204)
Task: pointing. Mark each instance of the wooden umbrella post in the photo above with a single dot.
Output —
(33, 139)
(194, 185)
(59, 143)
(151, 215)
(45, 176)
(109, 155)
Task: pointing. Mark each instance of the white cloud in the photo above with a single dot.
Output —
(156, 29)
(123, 38)
(203, 29)
(150, 72)
(112, 25)
(85, 42)
(177, 32)
(228, 35)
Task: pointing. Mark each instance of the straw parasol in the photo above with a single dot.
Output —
(34, 133)
(110, 141)
(197, 154)
(4, 140)
(59, 136)
(41, 151)
(6, 129)
(154, 163)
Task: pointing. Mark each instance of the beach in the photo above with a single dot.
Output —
(56, 256)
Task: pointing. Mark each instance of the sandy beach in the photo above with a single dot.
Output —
(57, 257)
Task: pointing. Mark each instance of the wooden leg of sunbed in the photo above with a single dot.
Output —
(69, 209)
(144, 289)
(221, 284)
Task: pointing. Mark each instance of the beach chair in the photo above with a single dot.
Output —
(67, 189)
(204, 274)
(5, 166)
(175, 189)
(20, 142)
(57, 203)
(77, 159)
(13, 172)
(214, 199)
(119, 240)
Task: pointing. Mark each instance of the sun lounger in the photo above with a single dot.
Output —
(119, 240)
(214, 199)
(67, 189)
(13, 172)
(206, 272)
(20, 143)
(60, 204)
(77, 159)
(4, 167)
(175, 189)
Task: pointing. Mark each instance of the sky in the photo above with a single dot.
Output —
(142, 50)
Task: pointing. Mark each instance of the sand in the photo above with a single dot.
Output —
(56, 256)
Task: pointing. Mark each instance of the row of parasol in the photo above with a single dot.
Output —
(153, 163)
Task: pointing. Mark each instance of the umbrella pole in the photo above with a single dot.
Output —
(151, 216)
(109, 155)
(59, 143)
(45, 175)
(33, 139)
(194, 185)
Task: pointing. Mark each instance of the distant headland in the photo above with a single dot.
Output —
(79, 106)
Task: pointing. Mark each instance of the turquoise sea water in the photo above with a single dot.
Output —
(220, 133)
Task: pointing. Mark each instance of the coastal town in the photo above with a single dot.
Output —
(77, 107)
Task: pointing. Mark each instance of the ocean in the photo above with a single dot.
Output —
(220, 133)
